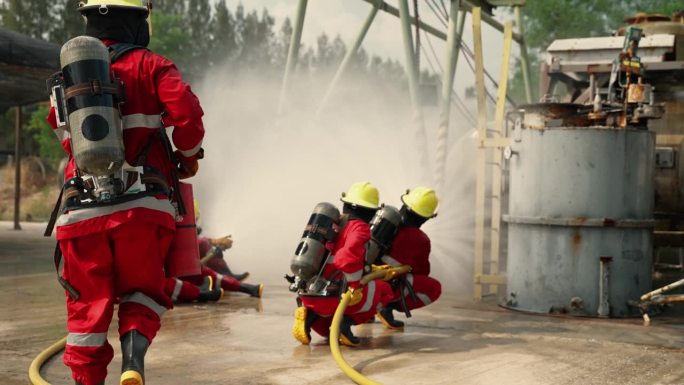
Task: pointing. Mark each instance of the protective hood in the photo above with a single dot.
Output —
(123, 26)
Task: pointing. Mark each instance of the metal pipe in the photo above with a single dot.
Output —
(293, 52)
(424, 26)
(17, 167)
(350, 54)
(524, 60)
(663, 289)
(604, 287)
(454, 35)
(412, 74)
(481, 151)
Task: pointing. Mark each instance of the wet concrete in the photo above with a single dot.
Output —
(241, 340)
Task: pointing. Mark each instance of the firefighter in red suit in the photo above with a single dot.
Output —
(117, 251)
(346, 262)
(411, 246)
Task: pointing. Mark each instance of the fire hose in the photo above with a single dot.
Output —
(37, 363)
(337, 320)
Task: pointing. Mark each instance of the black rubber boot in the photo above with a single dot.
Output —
(346, 336)
(387, 317)
(253, 290)
(209, 291)
(133, 348)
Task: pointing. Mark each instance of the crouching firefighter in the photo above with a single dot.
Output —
(120, 193)
(411, 246)
(331, 257)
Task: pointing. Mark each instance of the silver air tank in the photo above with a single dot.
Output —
(311, 250)
(384, 227)
(93, 116)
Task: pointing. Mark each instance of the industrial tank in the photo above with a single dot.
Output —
(580, 214)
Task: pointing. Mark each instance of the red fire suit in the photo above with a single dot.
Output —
(118, 251)
(411, 246)
(347, 260)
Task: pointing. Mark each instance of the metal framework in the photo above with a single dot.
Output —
(453, 37)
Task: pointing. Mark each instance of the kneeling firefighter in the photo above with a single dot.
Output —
(320, 284)
(411, 246)
(118, 221)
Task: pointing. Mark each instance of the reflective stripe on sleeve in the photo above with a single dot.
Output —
(390, 261)
(219, 277)
(192, 151)
(176, 289)
(355, 276)
(86, 339)
(141, 120)
(144, 300)
(62, 134)
(370, 293)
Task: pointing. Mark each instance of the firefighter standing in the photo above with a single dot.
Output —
(116, 251)
(411, 246)
(347, 262)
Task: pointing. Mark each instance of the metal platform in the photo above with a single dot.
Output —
(241, 340)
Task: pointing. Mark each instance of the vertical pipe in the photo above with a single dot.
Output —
(604, 288)
(349, 55)
(17, 167)
(412, 74)
(495, 239)
(453, 43)
(293, 52)
(481, 151)
(524, 60)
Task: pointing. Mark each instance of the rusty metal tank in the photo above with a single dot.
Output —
(580, 216)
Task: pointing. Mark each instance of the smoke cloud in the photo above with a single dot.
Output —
(263, 173)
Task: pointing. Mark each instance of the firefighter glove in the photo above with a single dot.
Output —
(356, 296)
(223, 242)
(186, 167)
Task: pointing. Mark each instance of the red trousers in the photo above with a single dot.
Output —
(185, 289)
(123, 264)
(376, 294)
(427, 290)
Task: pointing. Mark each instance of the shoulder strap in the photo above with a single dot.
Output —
(116, 51)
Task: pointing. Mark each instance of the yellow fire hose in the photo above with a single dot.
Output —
(337, 319)
(34, 369)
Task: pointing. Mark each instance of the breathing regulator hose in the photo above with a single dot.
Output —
(337, 320)
(41, 358)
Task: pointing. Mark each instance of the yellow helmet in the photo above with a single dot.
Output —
(362, 194)
(422, 201)
(103, 5)
(197, 210)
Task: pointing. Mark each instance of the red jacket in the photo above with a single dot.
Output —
(349, 252)
(411, 246)
(156, 97)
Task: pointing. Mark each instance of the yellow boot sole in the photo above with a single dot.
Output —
(299, 327)
(346, 342)
(131, 377)
(387, 324)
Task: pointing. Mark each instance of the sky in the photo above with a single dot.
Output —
(345, 18)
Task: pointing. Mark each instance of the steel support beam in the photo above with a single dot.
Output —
(453, 45)
(481, 151)
(350, 54)
(412, 74)
(524, 59)
(17, 167)
(293, 52)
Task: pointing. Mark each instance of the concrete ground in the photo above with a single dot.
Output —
(241, 340)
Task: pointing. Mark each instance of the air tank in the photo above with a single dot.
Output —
(580, 216)
(384, 227)
(93, 116)
(311, 252)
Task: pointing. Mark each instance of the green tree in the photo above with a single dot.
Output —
(49, 147)
(224, 44)
(170, 38)
(70, 24)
